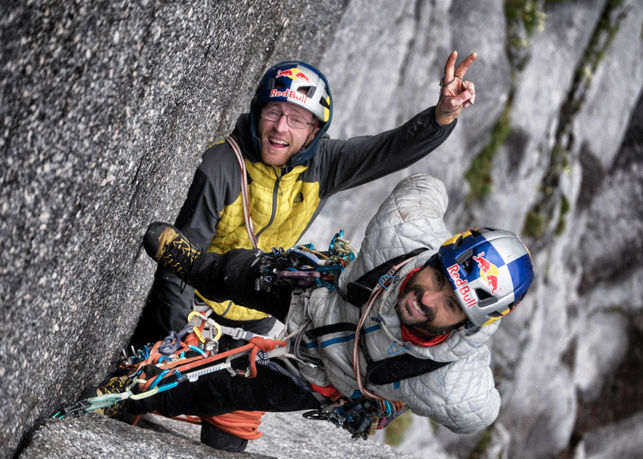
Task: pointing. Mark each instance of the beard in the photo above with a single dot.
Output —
(422, 325)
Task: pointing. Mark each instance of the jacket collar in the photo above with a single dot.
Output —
(242, 132)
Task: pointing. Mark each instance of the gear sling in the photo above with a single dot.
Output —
(360, 416)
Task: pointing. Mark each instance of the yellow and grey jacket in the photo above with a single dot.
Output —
(283, 201)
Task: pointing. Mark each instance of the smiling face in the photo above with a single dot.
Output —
(279, 141)
(428, 304)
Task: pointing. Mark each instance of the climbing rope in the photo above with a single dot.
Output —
(381, 286)
(192, 352)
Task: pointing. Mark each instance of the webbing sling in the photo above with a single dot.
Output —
(397, 368)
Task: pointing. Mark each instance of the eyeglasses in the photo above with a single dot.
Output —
(293, 120)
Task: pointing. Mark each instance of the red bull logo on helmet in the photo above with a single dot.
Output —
(289, 94)
(462, 285)
(293, 74)
(488, 271)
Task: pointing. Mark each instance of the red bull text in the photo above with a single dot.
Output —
(462, 285)
(290, 94)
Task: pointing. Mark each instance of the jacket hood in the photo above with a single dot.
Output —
(243, 133)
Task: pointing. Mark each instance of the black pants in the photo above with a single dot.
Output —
(212, 435)
(233, 275)
(220, 392)
(160, 316)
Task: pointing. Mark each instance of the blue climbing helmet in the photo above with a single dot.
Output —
(301, 84)
(298, 83)
(490, 271)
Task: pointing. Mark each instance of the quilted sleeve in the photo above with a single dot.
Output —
(411, 217)
(462, 396)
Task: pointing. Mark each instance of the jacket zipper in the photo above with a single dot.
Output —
(275, 192)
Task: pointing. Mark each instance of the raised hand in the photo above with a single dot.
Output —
(456, 92)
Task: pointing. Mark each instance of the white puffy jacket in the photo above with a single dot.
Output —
(461, 395)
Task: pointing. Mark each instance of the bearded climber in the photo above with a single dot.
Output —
(441, 299)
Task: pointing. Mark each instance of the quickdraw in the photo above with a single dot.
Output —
(360, 416)
(153, 370)
(303, 266)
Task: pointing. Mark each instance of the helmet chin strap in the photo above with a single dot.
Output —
(309, 139)
(311, 136)
(459, 325)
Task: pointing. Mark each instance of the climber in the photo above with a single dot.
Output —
(286, 154)
(438, 305)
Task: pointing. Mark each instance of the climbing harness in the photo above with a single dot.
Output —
(193, 351)
(170, 362)
(196, 351)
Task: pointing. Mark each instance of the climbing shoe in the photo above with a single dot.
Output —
(171, 249)
(114, 385)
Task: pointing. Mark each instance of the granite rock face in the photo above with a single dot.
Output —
(70, 437)
(285, 435)
(107, 107)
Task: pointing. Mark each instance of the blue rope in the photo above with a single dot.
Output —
(199, 350)
(385, 276)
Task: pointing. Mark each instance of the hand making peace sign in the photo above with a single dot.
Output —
(456, 92)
